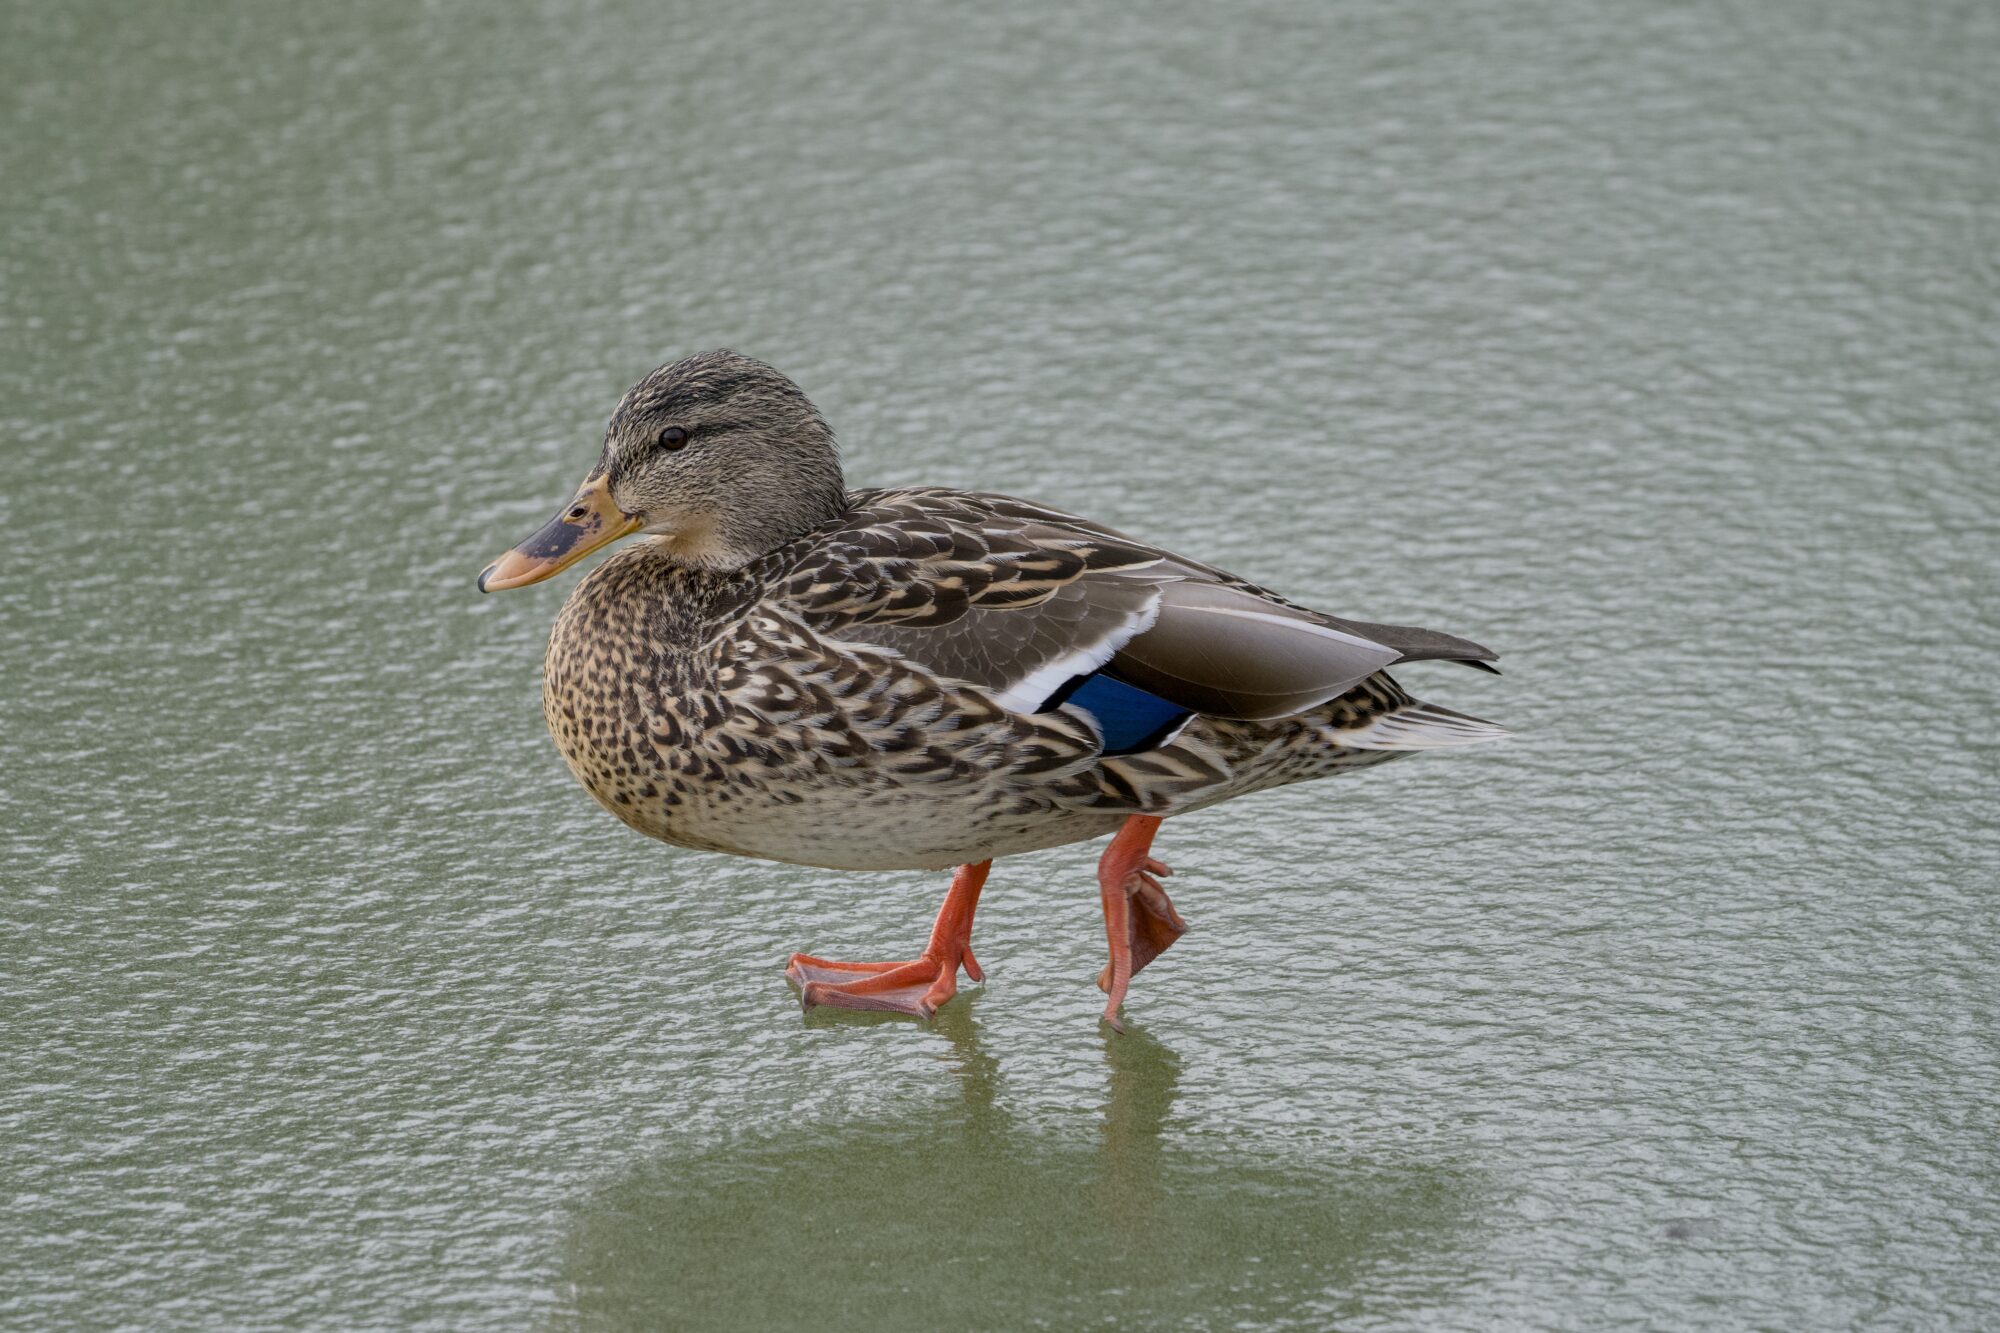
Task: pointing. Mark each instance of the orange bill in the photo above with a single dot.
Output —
(591, 521)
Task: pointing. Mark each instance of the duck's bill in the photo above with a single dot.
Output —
(588, 522)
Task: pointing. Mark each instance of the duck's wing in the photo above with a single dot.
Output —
(1025, 601)
(1411, 644)
(1017, 607)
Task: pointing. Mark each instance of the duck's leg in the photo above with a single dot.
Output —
(916, 987)
(1139, 919)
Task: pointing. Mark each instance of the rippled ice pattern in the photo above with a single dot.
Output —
(1653, 345)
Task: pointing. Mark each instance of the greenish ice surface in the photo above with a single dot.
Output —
(1655, 345)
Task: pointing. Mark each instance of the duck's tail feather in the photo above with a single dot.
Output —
(1420, 726)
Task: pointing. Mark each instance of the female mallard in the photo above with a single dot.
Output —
(922, 677)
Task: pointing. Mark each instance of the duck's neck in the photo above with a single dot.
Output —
(729, 542)
(687, 601)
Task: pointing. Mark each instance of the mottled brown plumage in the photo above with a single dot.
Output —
(751, 711)
(919, 677)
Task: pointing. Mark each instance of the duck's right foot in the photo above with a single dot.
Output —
(916, 987)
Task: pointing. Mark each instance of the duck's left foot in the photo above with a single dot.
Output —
(916, 987)
(1153, 925)
(1140, 922)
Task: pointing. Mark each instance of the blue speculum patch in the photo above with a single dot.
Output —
(1131, 719)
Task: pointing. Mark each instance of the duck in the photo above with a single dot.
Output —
(924, 678)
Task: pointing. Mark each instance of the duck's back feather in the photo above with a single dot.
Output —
(1024, 600)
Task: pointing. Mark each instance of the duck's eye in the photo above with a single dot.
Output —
(673, 437)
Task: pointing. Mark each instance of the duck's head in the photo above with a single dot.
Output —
(719, 457)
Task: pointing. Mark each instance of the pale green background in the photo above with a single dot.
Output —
(1653, 344)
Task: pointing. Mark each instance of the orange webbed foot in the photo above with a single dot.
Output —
(1154, 924)
(916, 987)
(1140, 922)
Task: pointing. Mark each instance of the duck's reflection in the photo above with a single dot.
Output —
(1139, 1094)
(962, 1214)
